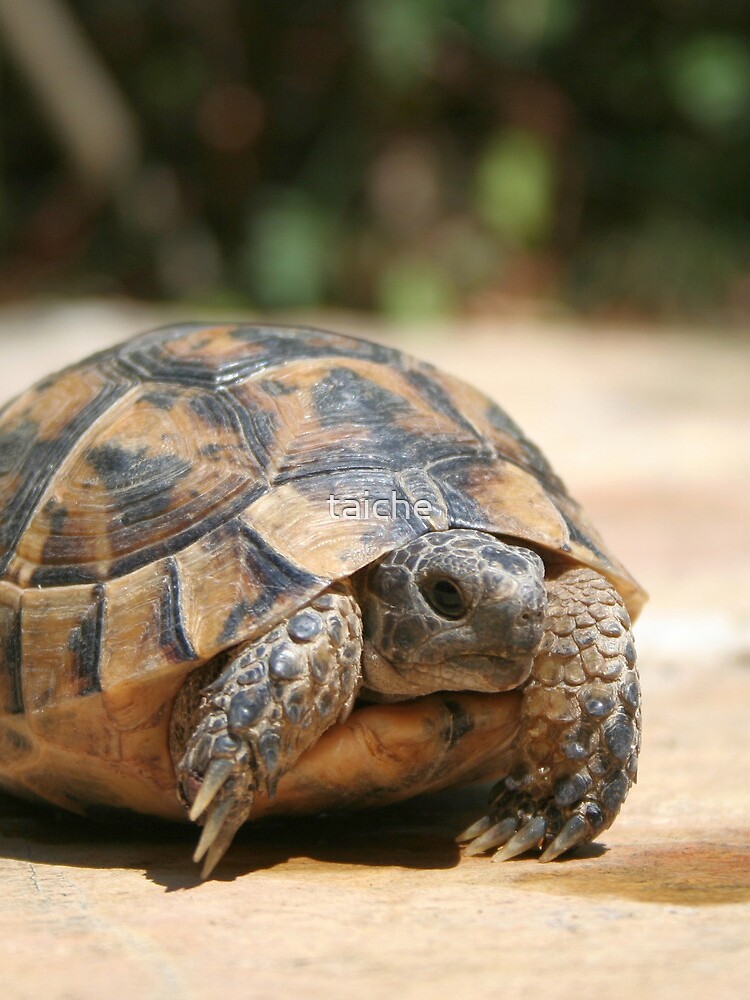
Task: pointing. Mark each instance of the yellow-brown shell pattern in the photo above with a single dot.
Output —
(169, 498)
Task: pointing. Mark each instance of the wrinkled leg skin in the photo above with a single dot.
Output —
(273, 699)
(579, 740)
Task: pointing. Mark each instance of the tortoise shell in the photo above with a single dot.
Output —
(171, 497)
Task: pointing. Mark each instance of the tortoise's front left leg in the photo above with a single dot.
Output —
(577, 749)
(272, 701)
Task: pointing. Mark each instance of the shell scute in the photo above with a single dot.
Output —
(505, 496)
(37, 432)
(62, 645)
(11, 691)
(193, 354)
(353, 414)
(129, 489)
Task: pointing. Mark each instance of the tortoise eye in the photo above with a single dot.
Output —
(445, 597)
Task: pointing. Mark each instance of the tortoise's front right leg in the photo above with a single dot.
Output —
(577, 750)
(272, 701)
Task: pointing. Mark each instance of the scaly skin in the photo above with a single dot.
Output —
(454, 610)
(577, 749)
(576, 752)
(271, 702)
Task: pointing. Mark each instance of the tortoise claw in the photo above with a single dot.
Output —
(213, 782)
(498, 834)
(213, 856)
(474, 830)
(573, 833)
(212, 827)
(526, 838)
(224, 820)
(221, 842)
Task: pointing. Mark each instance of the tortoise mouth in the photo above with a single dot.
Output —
(471, 673)
(489, 674)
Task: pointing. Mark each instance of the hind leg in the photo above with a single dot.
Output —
(272, 701)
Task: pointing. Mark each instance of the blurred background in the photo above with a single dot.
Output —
(411, 158)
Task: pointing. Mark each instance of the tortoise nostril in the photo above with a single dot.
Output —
(529, 617)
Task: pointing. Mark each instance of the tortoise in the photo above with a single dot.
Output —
(217, 541)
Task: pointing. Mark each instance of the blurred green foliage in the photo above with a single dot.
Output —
(515, 187)
(417, 157)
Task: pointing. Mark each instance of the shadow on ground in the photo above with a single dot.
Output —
(417, 834)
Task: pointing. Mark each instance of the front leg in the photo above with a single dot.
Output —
(579, 739)
(272, 701)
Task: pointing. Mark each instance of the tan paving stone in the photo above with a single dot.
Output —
(651, 429)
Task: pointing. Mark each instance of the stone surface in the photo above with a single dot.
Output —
(652, 431)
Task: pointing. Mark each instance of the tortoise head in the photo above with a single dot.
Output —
(452, 610)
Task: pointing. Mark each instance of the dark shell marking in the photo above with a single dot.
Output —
(168, 498)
